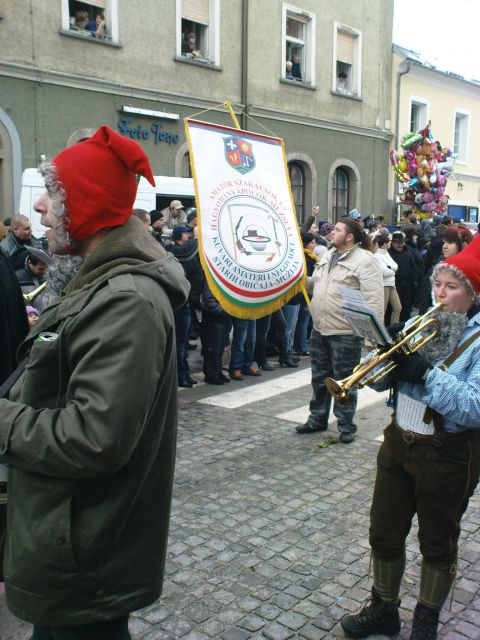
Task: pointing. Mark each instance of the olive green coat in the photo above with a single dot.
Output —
(90, 434)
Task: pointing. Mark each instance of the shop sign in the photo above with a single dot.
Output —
(155, 132)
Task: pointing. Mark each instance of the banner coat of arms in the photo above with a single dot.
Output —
(250, 246)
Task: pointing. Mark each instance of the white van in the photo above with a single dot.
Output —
(33, 186)
(166, 189)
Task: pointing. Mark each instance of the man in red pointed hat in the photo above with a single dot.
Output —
(429, 462)
(88, 432)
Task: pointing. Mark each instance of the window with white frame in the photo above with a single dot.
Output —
(197, 30)
(418, 114)
(298, 55)
(96, 19)
(460, 135)
(347, 61)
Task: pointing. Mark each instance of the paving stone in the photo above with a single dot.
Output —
(291, 620)
(235, 634)
(274, 631)
(176, 626)
(251, 622)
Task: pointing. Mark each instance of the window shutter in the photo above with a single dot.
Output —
(195, 10)
(97, 3)
(345, 47)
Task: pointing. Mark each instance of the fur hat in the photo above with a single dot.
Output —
(98, 176)
(465, 266)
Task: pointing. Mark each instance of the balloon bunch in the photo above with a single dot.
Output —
(423, 167)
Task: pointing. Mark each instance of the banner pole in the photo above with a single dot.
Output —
(305, 295)
(228, 106)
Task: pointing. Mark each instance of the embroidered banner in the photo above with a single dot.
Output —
(250, 246)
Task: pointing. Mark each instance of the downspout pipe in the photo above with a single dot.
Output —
(402, 70)
(244, 73)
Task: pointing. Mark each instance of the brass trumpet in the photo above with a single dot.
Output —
(409, 342)
(30, 297)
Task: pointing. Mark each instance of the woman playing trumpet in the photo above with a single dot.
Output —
(429, 462)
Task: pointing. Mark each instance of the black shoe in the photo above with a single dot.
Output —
(214, 380)
(266, 366)
(346, 438)
(191, 380)
(425, 623)
(186, 384)
(288, 362)
(302, 354)
(375, 618)
(223, 377)
(309, 428)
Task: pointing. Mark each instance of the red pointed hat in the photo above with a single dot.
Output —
(465, 265)
(99, 179)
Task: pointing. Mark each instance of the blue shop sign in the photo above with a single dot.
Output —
(142, 133)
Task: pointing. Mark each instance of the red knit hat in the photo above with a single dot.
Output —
(99, 179)
(465, 266)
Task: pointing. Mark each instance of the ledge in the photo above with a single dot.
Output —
(205, 64)
(296, 83)
(102, 41)
(349, 96)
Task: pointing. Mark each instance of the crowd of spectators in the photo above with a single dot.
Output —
(233, 348)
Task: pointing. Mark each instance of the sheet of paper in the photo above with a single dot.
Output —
(409, 414)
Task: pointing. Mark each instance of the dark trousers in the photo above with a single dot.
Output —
(182, 329)
(262, 327)
(111, 630)
(435, 480)
(213, 330)
(406, 295)
(333, 357)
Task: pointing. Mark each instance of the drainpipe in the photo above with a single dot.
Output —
(244, 76)
(402, 70)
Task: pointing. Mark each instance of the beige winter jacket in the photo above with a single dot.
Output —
(356, 269)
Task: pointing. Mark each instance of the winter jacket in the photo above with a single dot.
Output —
(17, 250)
(388, 267)
(356, 269)
(89, 432)
(408, 274)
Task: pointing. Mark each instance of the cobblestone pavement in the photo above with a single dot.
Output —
(269, 531)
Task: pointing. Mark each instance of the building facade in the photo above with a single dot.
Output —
(423, 93)
(316, 73)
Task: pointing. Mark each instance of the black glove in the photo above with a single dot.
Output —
(395, 328)
(410, 368)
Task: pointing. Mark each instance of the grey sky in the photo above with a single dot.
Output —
(445, 33)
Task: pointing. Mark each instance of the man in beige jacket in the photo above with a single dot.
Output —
(334, 349)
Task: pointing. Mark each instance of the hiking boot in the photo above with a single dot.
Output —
(425, 623)
(375, 618)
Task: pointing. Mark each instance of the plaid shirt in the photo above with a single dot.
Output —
(454, 393)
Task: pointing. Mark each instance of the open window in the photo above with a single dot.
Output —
(298, 60)
(460, 135)
(94, 19)
(347, 61)
(197, 30)
(418, 114)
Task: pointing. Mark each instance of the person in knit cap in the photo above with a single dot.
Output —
(429, 461)
(89, 429)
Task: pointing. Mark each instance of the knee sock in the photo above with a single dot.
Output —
(435, 583)
(387, 577)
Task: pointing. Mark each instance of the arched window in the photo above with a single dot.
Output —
(187, 170)
(297, 182)
(340, 193)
